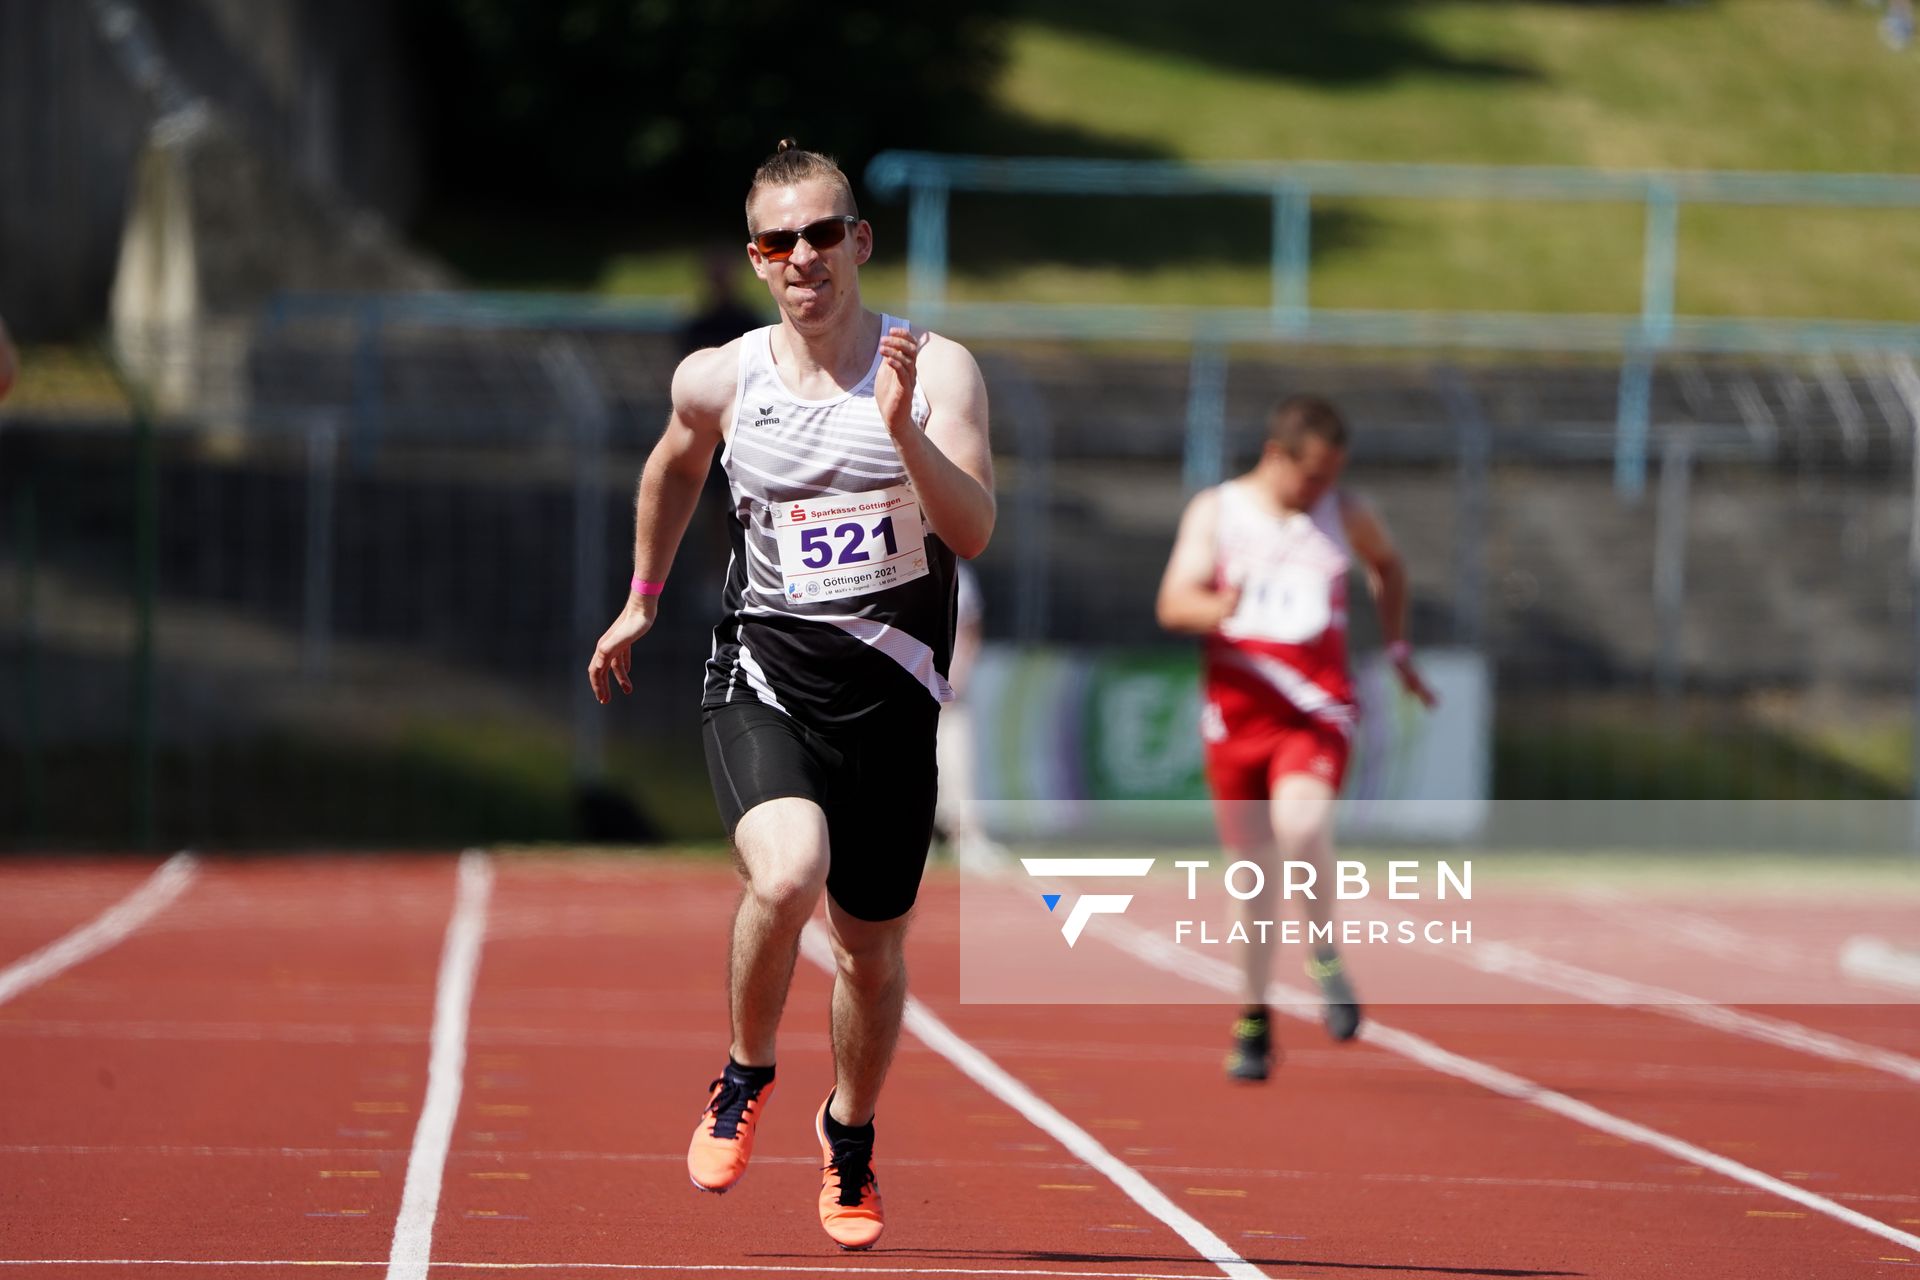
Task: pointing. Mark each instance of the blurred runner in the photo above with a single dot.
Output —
(1259, 568)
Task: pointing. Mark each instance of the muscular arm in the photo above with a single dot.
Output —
(1189, 602)
(950, 463)
(670, 483)
(1386, 571)
(669, 488)
(1387, 576)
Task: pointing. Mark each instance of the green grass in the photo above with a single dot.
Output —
(74, 378)
(1751, 84)
(1625, 753)
(1740, 84)
(1761, 84)
(432, 785)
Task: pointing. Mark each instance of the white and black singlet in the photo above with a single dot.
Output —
(838, 598)
(830, 665)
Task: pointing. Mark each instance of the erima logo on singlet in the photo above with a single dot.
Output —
(765, 420)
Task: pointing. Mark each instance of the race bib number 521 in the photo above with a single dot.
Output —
(850, 544)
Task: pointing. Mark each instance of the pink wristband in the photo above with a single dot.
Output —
(641, 587)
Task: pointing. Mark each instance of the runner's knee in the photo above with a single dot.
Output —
(782, 847)
(871, 958)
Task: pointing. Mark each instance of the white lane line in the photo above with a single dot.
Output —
(1218, 974)
(1715, 937)
(106, 930)
(1877, 960)
(446, 1068)
(1512, 961)
(1503, 959)
(677, 1267)
(989, 1075)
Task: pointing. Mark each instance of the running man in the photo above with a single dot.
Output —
(855, 447)
(1259, 568)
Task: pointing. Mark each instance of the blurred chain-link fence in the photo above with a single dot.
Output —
(349, 595)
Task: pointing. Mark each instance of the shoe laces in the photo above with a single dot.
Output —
(1250, 1029)
(729, 1106)
(852, 1161)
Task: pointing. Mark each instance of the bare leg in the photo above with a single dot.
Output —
(781, 848)
(1303, 827)
(869, 999)
(1246, 833)
(1303, 823)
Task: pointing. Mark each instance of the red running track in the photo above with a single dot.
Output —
(239, 1081)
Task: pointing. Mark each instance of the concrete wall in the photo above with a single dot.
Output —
(318, 87)
(70, 126)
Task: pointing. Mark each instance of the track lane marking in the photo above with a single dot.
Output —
(1871, 959)
(1503, 959)
(1506, 960)
(1153, 950)
(446, 1068)
(110, 928)
(1712, 935)
(703, 1268)
(995, 1079)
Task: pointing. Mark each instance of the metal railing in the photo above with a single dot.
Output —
(928, 180)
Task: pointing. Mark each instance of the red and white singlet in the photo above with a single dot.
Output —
(1279, 694)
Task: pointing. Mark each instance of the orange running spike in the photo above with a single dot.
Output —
(849, 1193)
(723, 1140)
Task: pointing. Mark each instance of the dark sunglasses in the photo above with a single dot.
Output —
(778, 244)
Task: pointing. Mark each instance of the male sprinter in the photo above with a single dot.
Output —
(1259, 568)
(856, 455)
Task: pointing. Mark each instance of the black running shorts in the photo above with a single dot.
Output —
(874, 778)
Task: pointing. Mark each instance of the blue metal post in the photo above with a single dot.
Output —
(1660, 254)
(1292, 255)
(369, 391)
(1206, 417)
(927, 247)
(1472, 483)
(1630, 429)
